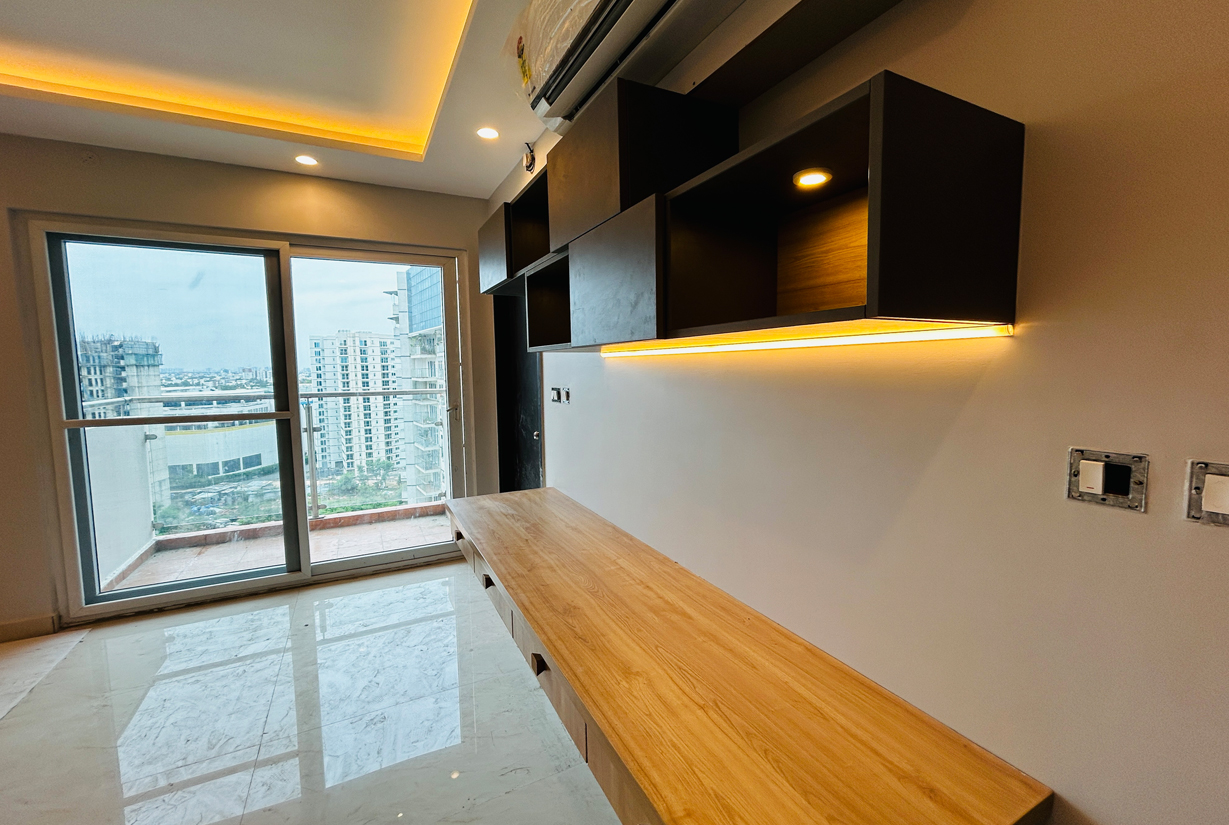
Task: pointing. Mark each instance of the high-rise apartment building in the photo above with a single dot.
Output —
(420, 323)
(354, 432)
(115, 370)
(119, 377)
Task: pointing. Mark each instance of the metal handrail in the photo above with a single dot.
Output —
(245, 396)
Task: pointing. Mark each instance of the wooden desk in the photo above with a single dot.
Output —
(694, 709)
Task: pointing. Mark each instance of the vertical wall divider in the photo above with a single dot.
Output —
(290, 359)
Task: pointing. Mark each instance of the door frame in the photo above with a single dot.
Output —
(65, 560)
(452, 366)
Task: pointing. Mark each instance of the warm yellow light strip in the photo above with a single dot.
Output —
(400, 127)
(197, 111)
(941, 334)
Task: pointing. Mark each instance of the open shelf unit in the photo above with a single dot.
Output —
(547, 303)
(515, 236)
(917, 227)
(630, 142)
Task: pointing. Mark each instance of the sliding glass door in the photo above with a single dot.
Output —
(177, 413)
(247, 410)
(374, 392)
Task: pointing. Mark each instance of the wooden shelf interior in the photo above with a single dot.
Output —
(748, 248)
(515, 236)
(548, 305)
(530, 224)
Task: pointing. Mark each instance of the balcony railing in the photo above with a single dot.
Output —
(331, 490)
(358, 484)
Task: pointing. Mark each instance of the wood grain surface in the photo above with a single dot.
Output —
(721, 715)
(821, 256)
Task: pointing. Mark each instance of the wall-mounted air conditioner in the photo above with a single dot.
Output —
(564, 49)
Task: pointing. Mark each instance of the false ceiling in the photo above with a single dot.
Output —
(384, 91)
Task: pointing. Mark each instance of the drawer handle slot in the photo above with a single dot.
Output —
(487, 581)
(538, 663)
(459, 535)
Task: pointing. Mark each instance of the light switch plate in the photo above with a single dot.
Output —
(1136, 493)
(1092, 476)
(1197, 488)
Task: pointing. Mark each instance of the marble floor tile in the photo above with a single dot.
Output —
(23, 664)
(356, 702)
(570, 797)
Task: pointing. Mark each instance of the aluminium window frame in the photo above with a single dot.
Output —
(65, 560)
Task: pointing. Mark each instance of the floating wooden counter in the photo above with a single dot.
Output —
(692, 708)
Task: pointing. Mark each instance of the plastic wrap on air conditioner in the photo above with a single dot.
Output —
(543, 33)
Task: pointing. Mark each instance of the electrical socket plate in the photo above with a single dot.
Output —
(1195, 481)
(1138, 462)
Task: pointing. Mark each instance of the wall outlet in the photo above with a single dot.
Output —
(1113, 479)
(1207, 493)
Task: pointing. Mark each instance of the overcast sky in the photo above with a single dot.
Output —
(208, 309)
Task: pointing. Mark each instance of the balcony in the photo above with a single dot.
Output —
(182, 556)
(186, 500)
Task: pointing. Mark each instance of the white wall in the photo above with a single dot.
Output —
(119, 484)
(52, 177)
(902, 506)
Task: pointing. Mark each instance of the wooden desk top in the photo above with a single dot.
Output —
(722, 715)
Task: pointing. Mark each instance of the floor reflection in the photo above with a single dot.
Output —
(244, 707)
(399, 698)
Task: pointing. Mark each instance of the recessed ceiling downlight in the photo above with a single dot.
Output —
(487, 133)
(307, 160)
(810, 178)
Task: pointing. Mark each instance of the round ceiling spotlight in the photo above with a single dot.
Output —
(487, 133)
(307, 160)
(810, 178)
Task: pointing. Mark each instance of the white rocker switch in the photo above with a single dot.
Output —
(1092, 477)
(1216, 494)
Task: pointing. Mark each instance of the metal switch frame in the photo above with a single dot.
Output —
(1138, 462)
(1198, 471)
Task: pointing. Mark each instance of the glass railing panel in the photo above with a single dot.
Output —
(172, 503)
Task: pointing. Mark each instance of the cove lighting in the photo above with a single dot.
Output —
(943, 334)
(810, 178)
(487, 133)
(307, 160)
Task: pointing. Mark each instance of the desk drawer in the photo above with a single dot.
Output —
(467, 549)
(556, 688)
(503, 604)
(616, 781)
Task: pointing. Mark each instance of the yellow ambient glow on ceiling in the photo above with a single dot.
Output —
(944, 333)
(399, 133)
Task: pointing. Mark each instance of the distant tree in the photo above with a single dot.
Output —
(381, 470)
(347, 485)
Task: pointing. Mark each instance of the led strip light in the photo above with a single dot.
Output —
(948, 334)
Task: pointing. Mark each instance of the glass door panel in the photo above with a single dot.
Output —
(176, 413)
(374, 405)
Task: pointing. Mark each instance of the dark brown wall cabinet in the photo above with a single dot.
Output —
(547, 306)
(630, 142)
(617, 277)
(920, 220)
(515, 236)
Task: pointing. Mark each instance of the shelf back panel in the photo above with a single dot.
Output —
(821, 256)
